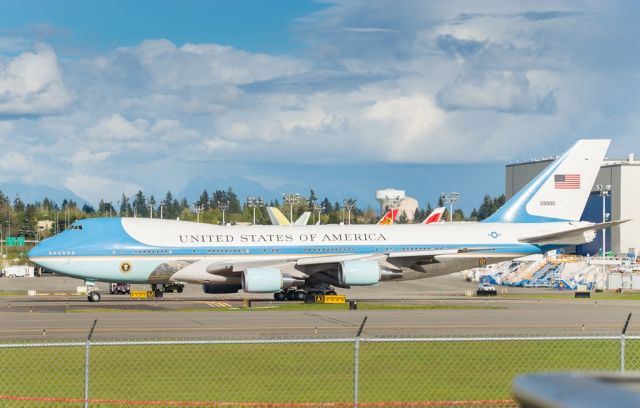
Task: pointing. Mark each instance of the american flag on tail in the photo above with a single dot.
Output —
(567, 181)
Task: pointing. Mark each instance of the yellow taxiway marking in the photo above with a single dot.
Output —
(216, 304)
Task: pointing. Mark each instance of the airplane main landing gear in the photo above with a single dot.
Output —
(300, 295)
(289, 295)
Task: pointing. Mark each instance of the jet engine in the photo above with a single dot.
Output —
(266, 280)
(358, 273)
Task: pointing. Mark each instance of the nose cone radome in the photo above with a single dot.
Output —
(38, 251)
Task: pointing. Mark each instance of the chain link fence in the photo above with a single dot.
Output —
(341, 372)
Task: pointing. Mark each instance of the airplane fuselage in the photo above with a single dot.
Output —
(136, 250)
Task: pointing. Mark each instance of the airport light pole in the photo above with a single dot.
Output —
(451, 198)
(224, 206)
(291, 199)
(255, 202)
(604, 193)
(349, 204)
(8, 234)
(197, 209)
(317, 208)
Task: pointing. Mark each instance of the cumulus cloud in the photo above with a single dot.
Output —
(427, 82)
(503, 91)
(190, 65)
(95, 187)
(31, 84)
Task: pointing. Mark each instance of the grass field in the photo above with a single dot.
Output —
(299, 372)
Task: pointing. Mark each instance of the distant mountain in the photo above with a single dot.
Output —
(241, 186)
(31, 193)
(246, 188)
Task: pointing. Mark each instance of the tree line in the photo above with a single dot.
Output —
(20, 218)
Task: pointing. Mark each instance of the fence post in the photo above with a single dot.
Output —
(87, 354)
(622, 343)
(356, 363)
(356, 370)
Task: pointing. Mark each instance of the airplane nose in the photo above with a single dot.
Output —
(36, 251)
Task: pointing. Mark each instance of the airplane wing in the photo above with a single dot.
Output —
(575, 236)
(313, 264)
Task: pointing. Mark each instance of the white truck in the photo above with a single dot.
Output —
(22, 271)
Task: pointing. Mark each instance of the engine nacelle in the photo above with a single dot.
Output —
(262, 280)
(220, 288)
(359, 273)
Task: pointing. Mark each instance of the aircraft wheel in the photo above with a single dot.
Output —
(300, 295)
(279, 296)
(94, 297)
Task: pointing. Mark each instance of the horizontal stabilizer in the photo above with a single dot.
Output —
(574, 236)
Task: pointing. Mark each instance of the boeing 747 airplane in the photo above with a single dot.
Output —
(292, 262)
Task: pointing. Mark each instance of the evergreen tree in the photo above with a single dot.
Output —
(4, 200)
(312, 199)
(218, 197)
(140, 205)
(417, 215)
(168, 210)
(234, 203)
(47, 205)
(125, 206)
(428, 210)
(86, 208)
(18, 204)
(204, 201)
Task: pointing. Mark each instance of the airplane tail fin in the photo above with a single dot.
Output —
(389, 217)
(303, 219)
(435, 216)
(277, 217)
(559, 192)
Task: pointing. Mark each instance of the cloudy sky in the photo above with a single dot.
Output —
(105, 97)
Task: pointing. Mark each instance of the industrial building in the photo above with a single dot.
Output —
(618, 182)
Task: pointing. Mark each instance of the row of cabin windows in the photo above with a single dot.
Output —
(235, 251)
(152, 252)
